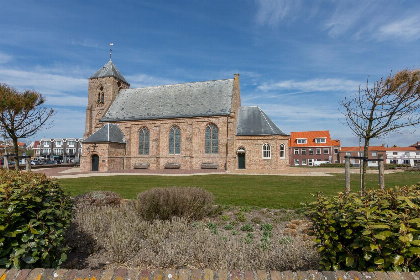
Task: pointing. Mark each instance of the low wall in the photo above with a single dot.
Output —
(194, 274)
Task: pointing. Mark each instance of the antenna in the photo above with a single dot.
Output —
(110, 50)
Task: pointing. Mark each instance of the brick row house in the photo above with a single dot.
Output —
(310, 148)
(187, 126)
(61, 149)
(374, 152)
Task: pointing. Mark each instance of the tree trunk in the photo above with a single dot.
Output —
(365, 165)
(16, 149)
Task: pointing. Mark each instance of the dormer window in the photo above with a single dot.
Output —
(301, 140)
(321, 140)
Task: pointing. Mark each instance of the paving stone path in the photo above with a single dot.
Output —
(195, 274)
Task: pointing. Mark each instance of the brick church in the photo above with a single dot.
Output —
(192, 126)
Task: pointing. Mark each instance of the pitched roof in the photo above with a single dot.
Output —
(253, 121)
(401, 149)
(109, 133)
(310, 139)
(356, 149)
(199, 99)
(108, 70)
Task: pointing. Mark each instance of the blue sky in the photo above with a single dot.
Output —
(296, 59)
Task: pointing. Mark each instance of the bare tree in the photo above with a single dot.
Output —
(21, 114)
(389, 105)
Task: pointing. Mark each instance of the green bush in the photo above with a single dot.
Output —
(395, 166)
(165, 203)
(97, 198)
(34, 214)
(378, 231)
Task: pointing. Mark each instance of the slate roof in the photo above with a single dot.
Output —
(199, 99)
(253, 121)
(109, 133)
(108, 70)
(310, 139)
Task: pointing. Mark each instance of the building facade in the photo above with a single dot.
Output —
(403, 155)
(310, 148)
(374, 152)
(60, 149)
(187, 126)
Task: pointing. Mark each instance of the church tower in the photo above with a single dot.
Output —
(104, 86)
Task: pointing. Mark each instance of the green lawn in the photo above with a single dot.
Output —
(242, 190)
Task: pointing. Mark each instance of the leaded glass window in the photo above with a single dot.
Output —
(266, 150)
(211, 139)
(175, 141)
(144, 141)
(282, 151)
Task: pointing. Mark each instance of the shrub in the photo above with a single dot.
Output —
(378, 231)
(97, 198)
(34, 214)
(165, 203)
(247, 227)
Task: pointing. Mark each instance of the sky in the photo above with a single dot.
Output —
(296, 59)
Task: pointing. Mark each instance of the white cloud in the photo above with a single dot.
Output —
(5, 58)
(57, 89)
(143, 80)
(407, 29)
(272, 12)
(313, 85)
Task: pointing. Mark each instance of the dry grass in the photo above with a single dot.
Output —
(111, 236)
(166, 203)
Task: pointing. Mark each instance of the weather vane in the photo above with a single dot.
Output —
(110, 50)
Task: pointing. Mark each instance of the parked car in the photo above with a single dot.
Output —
(35, 162)
(51, 162)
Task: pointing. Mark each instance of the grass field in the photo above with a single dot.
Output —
(240, 190)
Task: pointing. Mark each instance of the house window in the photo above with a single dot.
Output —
(301, 141)
(335, 150)
(211, 139)
(71, 143)
(311, 151)
(348, 154)
(58, 151)
(395, 153)
(304, 161)
(320, 140)
(318, 151)
(374, 154)
(46, 143)
(70, 152)
(310, 162)
(303, 151)
(58, 143)
(296, 151)
(144, 141)
(282, 152)
(296, 161)
(266, 150)
(174, 141)
(326, 151)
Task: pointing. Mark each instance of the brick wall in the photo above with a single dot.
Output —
(194, 274)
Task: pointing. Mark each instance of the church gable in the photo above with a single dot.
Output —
(200, 99)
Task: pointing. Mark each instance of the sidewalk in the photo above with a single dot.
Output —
(74, 172)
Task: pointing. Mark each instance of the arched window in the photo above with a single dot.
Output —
(266, 150)
(175, 141)
(211, 139)
(102, 98)
(282, 151)
(144, 141)
(99, 98)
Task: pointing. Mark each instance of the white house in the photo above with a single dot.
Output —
(403, 155)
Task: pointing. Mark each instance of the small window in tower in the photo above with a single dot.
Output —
(102, 97)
